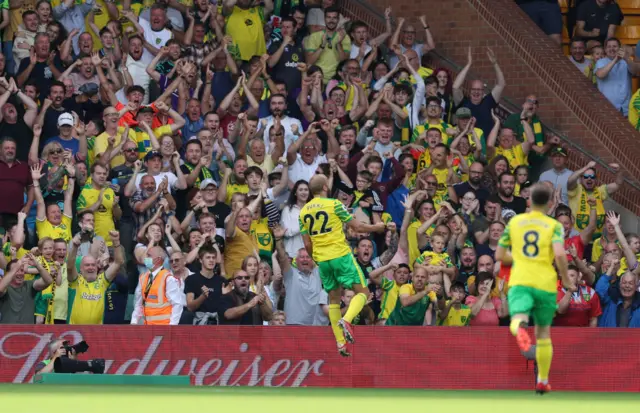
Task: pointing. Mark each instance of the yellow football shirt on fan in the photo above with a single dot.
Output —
(262, 236)
(412, 239)
(441, 259)
(45, 228)
(144, 142)
(104, 213)
(86, 300)
(442, 127)
(457, 317)
(102, 142)
(441, 175)
(390, 293)
(515, 155)
(246, 28)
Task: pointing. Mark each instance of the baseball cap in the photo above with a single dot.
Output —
(152, 154)
(89, 89)
(145, 109)
(65, 119)
(463, 113)
(209, 181)
(558, 150)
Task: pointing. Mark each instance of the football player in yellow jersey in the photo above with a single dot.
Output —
(321, 222)
(531, 242)
(87, 290)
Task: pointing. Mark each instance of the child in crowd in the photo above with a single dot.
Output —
(455, 312)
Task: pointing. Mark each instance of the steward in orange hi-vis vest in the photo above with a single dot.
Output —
(156, 307)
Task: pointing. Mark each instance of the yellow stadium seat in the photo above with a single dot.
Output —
(629, 7)
(628, 35)
(564, 6)
(631, 21)
(565, 35)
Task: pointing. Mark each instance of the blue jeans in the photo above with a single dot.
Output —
(7, 50)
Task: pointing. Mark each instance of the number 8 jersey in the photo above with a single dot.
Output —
(321, 219)
(531, 237)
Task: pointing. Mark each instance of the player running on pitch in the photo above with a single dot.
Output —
(321, 228)
(535, 240)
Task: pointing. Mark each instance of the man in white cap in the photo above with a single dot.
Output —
(65, 135)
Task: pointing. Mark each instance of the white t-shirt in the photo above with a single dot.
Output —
(417, 47)
(300, 170)
(138, 71)
(156, 39)
(355, 51)
(286, 123)
(171, 177)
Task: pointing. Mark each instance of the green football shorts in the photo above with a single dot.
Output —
(532, 301)
(343, 271)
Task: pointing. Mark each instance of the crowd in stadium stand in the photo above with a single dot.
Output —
(155, 157)
(594, 47)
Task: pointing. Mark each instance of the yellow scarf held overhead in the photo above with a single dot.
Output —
(582, 214)
(49, 292)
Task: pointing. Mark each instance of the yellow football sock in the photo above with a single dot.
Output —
(515, 326)
(544, 354)
(356, 305)
(334, 317)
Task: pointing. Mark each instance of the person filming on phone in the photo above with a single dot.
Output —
(91, 243)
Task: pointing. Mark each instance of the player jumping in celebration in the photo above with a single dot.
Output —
(535, 240)
(324, 239)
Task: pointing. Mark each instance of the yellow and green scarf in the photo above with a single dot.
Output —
(582, 214)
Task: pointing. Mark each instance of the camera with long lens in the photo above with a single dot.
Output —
(65, 364)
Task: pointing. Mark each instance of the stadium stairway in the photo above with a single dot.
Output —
(570, 106)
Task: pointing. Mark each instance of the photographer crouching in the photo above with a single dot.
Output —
(63, 359)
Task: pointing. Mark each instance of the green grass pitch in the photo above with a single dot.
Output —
(23, 398)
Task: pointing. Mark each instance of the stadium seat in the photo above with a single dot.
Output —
(628, 35)
(629, 7)
(564, 6)
(631, 20)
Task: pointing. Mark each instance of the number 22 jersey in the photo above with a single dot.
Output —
(531, 237)
(321, 219)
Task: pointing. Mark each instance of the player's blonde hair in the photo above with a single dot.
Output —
(540, 195)
(317, 184)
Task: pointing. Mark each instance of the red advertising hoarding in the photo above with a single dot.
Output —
(400, 357)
